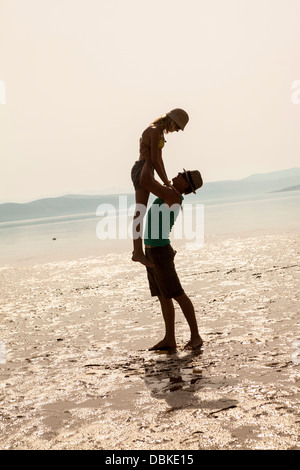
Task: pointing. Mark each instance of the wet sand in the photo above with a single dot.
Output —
(77, 373)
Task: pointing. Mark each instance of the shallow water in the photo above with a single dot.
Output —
(75, 236)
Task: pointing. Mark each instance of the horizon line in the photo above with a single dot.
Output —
(127, 191)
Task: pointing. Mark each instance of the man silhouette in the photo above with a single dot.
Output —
(163, 279)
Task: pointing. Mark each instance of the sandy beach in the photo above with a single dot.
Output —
(76, 372)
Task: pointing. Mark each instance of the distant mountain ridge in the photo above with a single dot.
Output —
(274, 175)
(260, 183)
(54, 207)
(72, 204)
(290, 188)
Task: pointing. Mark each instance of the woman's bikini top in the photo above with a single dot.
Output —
(161, 142)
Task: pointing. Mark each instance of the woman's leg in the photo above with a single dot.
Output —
(141, 201)
(169, 341)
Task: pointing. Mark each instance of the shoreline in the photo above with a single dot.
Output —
(64, 252)
(78, 238)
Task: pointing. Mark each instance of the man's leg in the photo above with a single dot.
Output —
(169, 341)
(189, 313)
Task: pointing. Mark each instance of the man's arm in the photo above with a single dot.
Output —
(167, 194)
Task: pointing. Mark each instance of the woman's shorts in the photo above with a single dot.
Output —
(163, 279)
(136, 173)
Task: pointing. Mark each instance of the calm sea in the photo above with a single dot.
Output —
(75, 236)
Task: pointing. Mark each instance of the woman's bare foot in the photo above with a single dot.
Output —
(164, 344)
(141, 258)
(194, 343)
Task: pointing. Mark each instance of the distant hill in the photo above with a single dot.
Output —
(290, 188)
(274, 175)
(55, 207)
(257, 184)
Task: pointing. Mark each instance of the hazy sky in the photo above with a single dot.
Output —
(85, 77)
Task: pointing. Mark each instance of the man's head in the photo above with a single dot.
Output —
(188, 182)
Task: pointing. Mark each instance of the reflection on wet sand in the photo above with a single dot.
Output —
(174, 373)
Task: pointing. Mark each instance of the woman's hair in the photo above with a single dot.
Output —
(165, 122)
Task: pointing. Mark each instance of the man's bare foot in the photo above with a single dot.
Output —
(194, 343)
(141, 258)
(164, 344)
